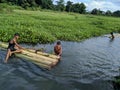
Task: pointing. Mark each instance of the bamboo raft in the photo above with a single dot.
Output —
(41, 59)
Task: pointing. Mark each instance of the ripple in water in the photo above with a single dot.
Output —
(88, 65)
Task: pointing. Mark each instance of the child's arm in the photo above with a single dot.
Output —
(18, 45)
(60, 51)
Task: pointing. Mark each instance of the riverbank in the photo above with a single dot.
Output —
(48, 26)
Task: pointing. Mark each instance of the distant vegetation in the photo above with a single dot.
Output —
(44, 26)
(59, 6)
(40, 21)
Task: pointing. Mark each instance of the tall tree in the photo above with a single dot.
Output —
(32, 3)
(69, 6)
(82, 8)
(12, 1)
(48, 4)
(23, 3)
(108, 13)
(97, 12)
(2, 1)
(39, 2)
(60, 5)
(79, 8)
(76, 8)
(94, 11)
(116, 13)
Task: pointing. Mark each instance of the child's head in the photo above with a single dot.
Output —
(58, 43)
(111, 33)
(17, 35)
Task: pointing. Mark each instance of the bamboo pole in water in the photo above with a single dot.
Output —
(31, 59)
(40, 58)
(55, 59)
(3, 45)
(44, 54)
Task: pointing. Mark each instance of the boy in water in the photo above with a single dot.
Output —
(58, 49)
(112, 36)
(13, 47)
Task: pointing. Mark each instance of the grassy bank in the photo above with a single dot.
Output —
(48, 26)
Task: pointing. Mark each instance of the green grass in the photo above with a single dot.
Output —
(48, 26)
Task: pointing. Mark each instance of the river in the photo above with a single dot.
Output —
(86, 65)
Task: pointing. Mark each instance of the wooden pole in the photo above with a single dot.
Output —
(44, 54)
(37, 63)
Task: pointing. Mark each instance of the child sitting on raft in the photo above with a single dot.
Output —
(13, 47)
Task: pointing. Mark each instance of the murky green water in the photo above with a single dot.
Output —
(88, 65)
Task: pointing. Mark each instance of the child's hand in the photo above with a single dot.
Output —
(23, 48)
(58, 56)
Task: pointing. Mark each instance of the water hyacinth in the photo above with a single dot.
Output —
(47, 27)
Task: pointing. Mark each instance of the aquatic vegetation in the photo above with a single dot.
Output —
(49, 26)
(116, 82)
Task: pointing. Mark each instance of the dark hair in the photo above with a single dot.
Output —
(111, 33)
(58, 42)
(16, 34)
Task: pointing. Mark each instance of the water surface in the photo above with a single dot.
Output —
(87, 65)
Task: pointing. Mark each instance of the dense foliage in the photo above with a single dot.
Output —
(48, 26)
(48, 4)
(107, 13)
(59, 6)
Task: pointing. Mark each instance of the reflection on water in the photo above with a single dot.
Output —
(88, 65)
